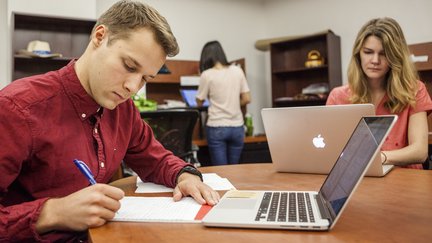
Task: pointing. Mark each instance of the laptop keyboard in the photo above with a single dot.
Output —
(285, 207)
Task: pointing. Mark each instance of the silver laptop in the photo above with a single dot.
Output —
(309, 139)
(307, 210)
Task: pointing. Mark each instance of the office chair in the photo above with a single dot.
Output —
(173, 128)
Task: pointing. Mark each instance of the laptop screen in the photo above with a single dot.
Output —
(189, 97)
(353, 160)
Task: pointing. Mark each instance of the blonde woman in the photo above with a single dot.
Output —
(381, 72)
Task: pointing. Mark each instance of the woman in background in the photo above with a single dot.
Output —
(381, 72)
(226, 88)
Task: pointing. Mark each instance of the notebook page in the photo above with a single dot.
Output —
(157, 209)
(211, 179)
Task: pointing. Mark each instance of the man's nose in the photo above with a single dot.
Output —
(132, 85)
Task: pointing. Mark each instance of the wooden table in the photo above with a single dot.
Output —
(395, 208)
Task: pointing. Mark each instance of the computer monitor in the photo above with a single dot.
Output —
(188, 96)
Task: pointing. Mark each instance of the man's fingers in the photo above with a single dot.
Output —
(177, 194)
(110, 191)
(196, 194)
(212, 197)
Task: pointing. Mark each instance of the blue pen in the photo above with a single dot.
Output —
(85, 170)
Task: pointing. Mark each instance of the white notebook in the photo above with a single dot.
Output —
(213, 180)
(160, 209)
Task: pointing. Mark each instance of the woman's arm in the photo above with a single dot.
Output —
(417, 149)
(245, 98)
(199, 102)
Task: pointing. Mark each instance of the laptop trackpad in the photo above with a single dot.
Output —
(237, 203)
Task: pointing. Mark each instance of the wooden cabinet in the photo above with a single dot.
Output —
(423, 53)
(424, 67)
(67, 36)
(290, 75)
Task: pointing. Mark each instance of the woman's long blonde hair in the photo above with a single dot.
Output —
(401, 80)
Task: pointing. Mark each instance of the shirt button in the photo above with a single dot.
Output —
(83, 115)
(102, 164)
(95, 130)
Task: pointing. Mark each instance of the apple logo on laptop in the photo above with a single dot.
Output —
(318, 141)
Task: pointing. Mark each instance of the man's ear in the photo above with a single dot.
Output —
(99, 35)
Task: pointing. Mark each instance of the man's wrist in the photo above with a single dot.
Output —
(46, 220)
(190, 170)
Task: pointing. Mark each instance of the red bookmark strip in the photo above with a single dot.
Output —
(203, 211)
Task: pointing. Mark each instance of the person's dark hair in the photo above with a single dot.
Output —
(211, 54)
(126, 16)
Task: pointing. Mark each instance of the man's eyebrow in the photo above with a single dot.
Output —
(139, 65)
(134, 61)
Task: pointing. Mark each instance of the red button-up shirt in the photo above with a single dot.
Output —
(48, 120)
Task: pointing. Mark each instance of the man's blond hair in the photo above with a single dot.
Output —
(126, 16)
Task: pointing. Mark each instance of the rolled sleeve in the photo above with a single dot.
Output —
(18, 222)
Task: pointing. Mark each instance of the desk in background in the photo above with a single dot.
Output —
(395, 208)
(255, 150)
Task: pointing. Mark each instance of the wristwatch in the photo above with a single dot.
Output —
(191, 170)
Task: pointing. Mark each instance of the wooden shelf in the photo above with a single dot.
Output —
(68, 36)
(290, 75)
(37, 59)
(24, 66)
(422, 49)
(300, 70)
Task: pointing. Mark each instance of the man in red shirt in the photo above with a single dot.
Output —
(84, 111)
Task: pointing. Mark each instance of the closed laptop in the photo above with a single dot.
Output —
(309, 139)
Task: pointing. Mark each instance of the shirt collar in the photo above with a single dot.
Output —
(85, 106)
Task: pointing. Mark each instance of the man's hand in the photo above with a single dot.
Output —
(87, 208)
(191, 185)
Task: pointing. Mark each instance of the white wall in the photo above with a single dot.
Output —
(66, 8)
(237, 24)
(4, 50)
(345, 18)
